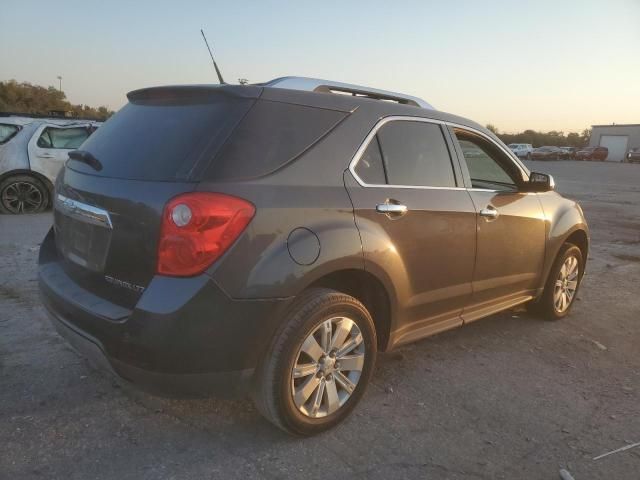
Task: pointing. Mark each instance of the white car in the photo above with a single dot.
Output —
(522, 150)
(32, 151)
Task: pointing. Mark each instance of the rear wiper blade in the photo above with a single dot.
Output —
(86, 157)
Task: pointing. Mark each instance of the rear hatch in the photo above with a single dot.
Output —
(107, 217)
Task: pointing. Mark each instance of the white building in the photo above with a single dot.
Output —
(617, 138)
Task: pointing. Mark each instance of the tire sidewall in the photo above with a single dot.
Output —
(295, 420)
(44, 192)
(549, 304)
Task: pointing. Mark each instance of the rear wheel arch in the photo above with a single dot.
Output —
(40, 182)
(47, 183)
(368, 289)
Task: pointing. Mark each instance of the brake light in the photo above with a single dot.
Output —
(197, 228)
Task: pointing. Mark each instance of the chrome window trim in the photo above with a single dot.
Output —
(407, 118)
(84, 212)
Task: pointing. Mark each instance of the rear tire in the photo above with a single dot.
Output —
(563, 283)
(301, 378)
(23, 194)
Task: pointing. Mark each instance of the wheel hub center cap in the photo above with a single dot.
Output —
(327, 365)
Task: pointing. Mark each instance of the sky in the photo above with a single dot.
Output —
(546, 65)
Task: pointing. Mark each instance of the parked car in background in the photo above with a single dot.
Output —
(271, 238)
(546, 153)
(522, 150)
(32, 151)
(568, 153)
(592, 153)
(633, 155)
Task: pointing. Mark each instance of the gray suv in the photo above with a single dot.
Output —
(270, 239)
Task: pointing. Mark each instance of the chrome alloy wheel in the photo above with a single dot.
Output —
(566, 284)
(22, 197)
(327, 367)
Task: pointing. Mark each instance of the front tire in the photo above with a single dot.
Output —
(319, 364)
(562, 284)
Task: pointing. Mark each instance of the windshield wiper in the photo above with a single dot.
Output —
(86, 157)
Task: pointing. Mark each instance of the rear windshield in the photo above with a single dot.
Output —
(227, 139)
(163, 139)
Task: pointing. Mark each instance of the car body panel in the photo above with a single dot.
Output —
(22, 155)
(510, 249)
(436, 235)
(441, 264)
(592, 153)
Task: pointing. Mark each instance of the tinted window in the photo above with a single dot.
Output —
(488, 167)
(163, 139)
(415, 153)
(370, 168)
(67, 138)
(7, 132)
(270, 136)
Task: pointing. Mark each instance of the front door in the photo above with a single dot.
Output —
(416, 222)
(510, 223)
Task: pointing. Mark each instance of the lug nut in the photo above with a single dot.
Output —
(329, 378)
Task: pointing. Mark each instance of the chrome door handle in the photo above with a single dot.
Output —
(45, 155)
(489, 212)
(393, 208)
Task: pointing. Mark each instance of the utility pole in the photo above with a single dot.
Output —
(60, 82)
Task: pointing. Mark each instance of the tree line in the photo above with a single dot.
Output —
(23, 97)
(539, 139)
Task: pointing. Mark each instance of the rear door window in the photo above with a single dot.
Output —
(64, 138)
(416, 154)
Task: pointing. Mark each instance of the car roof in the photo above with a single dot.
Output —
(22, 121)
(376, 107)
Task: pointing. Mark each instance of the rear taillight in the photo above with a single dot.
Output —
(197, 228)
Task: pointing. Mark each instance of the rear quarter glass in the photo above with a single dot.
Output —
(163, 139)
(271, 135)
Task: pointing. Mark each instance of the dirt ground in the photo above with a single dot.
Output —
(509, 397)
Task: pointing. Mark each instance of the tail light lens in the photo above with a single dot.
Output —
(197, 228)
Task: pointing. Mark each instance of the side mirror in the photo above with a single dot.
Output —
(541, 182)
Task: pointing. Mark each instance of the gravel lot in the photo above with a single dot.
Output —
(509, 397)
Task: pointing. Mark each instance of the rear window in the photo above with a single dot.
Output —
(416, 154)
(7, 132)
(272, 135)
(64, 138)
(163, 139)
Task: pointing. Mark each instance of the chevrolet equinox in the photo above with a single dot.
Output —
(270, 239)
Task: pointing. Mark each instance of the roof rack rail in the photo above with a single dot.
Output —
(330, 86)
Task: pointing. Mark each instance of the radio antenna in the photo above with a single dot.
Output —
(222, 82)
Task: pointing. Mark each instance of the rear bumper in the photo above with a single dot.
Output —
(184, 336)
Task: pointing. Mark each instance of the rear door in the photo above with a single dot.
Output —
(417, 222)
(50, 145)
(510, 224)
